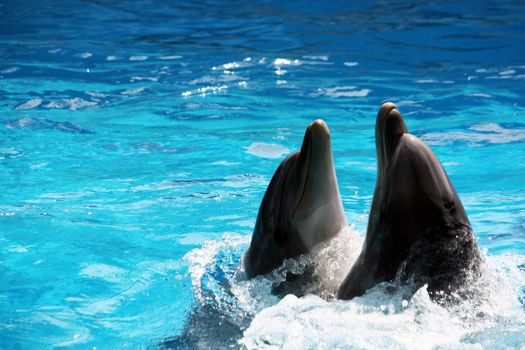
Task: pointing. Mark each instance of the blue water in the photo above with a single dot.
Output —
(131, 133)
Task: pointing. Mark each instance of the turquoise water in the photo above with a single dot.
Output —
(137, 141)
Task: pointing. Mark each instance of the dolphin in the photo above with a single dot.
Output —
(301, 208)
(418, 231)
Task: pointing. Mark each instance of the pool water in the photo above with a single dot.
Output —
(137, 140)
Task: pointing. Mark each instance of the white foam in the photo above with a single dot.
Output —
(138, 58)
(134, 91)
(12, 151)
(70, 103)
(234, 65)
(350, 64)
(170, 57)
(426, 81)
(200, 260)
(479, 94)
(331, 262)
(38, 165)
(266, 150)
(382, 320)
(493, 317)
(84, 55)
(203, 91)
(225, 163)
(286, 62)
(214, 79)
(247, 297)
(343, 91)
(133, 79)
(17, 249)
(30, 104)
(489, 133)
(97, 94)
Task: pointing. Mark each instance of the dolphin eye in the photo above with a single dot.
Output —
(449, 205)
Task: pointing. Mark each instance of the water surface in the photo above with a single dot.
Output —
(133, 133)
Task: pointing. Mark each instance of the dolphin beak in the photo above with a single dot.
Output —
(315, 162)
(316, 144)
(390, 126)
(320, 128)
(386, 108)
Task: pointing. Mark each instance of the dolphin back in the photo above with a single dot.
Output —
(267, 248)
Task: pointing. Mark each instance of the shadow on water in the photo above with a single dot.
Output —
(45, 124)
(208, 327)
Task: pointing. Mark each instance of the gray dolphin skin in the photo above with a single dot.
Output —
(301, 208)
(418, 230)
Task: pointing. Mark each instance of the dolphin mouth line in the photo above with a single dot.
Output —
(392, 108)
(390, 126)
(307, 174)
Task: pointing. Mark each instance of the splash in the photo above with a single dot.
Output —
(383, 318)
(492, 318)
(224, 297)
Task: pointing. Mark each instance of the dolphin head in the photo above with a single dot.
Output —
(390, 127)
(301, 207)
(417, 221)
(411, 176)
(421, 227)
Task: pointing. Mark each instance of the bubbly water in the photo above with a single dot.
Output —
(138, 138)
